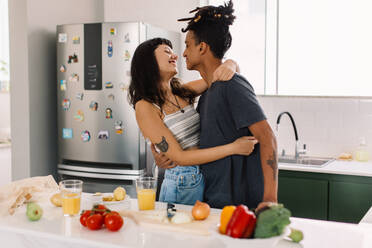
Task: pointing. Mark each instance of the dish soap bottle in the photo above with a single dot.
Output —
(361, 154)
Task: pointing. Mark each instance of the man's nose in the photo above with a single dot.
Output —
(184, 53)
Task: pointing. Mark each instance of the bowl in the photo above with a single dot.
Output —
(257, 243)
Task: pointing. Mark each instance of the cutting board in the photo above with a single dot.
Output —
(154, 219)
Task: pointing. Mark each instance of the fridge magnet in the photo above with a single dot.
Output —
(76, 40)
(66, 104)
(109, 85)
(79, 116)
(113, 31)
(80, 96)
(63, 85)
(126, 38)
(62, 68)
(123, 86)
(72, 59)
(126, 55)
(108, 113)
(74, 78)
(67, 133)
(103, 134)
(85, 136)
(109, 49)
(93, 106)
(62, 37)
(111, 97)
(118, 127)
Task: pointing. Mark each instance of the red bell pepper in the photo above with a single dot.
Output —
(242, 223)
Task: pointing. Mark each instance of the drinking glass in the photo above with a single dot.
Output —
(71, 196)
(146, 192)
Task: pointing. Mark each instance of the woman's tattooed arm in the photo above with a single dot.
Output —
(163, 145)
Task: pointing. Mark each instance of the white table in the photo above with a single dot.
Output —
(54, 230)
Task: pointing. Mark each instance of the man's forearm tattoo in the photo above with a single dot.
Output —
(273, 163)
(163, 145)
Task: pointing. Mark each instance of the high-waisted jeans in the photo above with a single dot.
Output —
(182, 185)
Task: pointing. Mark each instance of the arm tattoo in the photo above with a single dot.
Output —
(273, 163)
(163, 145)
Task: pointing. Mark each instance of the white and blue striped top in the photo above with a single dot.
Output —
(185, 127)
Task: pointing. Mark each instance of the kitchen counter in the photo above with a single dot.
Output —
(54, 230)
(353, 168)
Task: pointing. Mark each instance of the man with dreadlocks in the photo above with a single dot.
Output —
(229, 111)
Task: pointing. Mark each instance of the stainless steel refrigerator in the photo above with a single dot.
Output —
(98, 137)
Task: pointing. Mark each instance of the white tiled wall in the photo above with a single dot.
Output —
(327, 125)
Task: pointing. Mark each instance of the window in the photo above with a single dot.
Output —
(248, 44)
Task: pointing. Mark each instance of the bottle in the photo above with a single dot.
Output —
(361, 154)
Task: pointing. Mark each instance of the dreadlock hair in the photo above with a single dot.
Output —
(145, 76)
(210, 24)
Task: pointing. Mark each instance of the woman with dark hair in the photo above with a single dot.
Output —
(166, 116)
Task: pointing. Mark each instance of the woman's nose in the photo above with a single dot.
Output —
(175, 56)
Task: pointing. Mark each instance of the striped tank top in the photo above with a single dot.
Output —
(185, 127)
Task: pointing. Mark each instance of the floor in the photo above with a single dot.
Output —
(5, 165)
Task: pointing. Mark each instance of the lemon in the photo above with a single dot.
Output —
(119, 194)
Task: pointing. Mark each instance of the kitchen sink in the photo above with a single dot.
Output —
(305, 161)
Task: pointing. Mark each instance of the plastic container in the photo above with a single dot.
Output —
(362, 154)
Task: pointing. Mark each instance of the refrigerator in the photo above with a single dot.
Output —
(98, 137)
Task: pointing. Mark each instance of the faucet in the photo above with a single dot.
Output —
(297, 150)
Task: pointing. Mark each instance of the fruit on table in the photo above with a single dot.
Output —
(296, 235)
(226, 214)
(34, 211)
(119, 194)
(56, 200)
(84, 216)
(99, 215)
(201, 210)
(113, 222)
(242, 223)
(272, 221)
(95, 221)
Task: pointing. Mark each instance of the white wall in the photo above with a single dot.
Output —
(161, 13)
(33, 78)
(328, 125)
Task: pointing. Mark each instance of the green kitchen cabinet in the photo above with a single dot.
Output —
(349, 201)
(306, 198)
(335, 197)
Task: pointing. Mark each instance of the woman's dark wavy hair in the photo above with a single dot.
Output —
(210, 24)
(145, 81)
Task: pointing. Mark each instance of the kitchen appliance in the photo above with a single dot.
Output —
(98, 137)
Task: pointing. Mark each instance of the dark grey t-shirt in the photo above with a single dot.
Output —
(226, 110)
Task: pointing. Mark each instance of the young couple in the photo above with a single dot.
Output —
(223, 153)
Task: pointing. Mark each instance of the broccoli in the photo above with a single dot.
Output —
(272, 221)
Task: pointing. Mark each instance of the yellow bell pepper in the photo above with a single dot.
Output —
(226, 214)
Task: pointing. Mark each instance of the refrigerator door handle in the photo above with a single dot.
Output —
(97, 175)
(100, 170)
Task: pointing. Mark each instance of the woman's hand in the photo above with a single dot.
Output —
(244, 145)
(225, 71)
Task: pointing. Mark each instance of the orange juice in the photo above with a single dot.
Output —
(146, 199)
(70, 203)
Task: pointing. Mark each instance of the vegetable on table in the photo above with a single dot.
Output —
(201, 210)
(272, 221)
(296, 235)
(226, 214)
(242, 223)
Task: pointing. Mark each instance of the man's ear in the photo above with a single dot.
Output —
(203, 47)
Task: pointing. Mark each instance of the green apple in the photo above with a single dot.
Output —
(34, 211)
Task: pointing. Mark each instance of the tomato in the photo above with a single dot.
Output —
(84, 216)
(113, 221)
(94, 222)
(100, 209)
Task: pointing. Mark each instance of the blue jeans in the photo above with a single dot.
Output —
(182, 185)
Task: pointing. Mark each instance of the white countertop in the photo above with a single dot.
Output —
(54, 230)
(354, 168)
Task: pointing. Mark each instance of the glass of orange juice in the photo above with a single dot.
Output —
(146, 192)
(71, 195)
